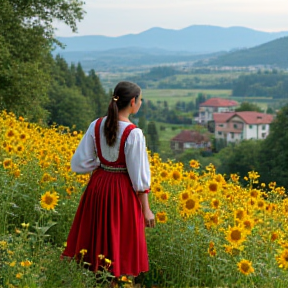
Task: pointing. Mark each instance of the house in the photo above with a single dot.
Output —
(237, 126)
(189, 139)
(215, 105)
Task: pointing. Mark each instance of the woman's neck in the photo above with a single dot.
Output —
(124, 116)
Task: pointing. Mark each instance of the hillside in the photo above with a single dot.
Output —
(273, 53)
(196, 39)
(123, 58)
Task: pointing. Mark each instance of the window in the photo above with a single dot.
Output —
(232, 135)
(250, 126)
(219, 133)
(221, 125)
(235, 126)
(263, 127)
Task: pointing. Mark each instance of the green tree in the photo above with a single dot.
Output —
(152, 137)
(26, 40)
(274, 151)
(247, 106)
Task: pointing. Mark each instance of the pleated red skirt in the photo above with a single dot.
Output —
(109, 221)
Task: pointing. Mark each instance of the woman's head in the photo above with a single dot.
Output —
(123, 93)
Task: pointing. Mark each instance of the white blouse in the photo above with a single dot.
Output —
(85, 157)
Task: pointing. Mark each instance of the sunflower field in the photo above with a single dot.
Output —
(211, 231)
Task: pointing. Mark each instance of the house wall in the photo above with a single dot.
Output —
(206, 112)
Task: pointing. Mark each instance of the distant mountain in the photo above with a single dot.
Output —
(274, 53)
(196, 39)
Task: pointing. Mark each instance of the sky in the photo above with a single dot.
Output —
(121, 17)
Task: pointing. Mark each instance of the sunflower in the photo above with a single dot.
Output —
(215, 203)
(23, 137)
(190, 206)
(11, 133)
(184, 195)
(49, 200)
(7, 163)
(211, 250)
(235, 235)
(161, 217)
(254, 193)
(194, 164)
(211, 220)
(248, 225)
(20, 148)
(163, 197)
(283, 259)
(176, 175)
(240, 214)
(245, 267)
(26, 263)
(70, 190)
(192, 176)
(234, 178)
(164, 174)
(213, 186)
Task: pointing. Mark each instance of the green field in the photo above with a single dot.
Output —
(174, 95)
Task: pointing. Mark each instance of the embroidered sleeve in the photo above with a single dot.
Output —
(137, 161)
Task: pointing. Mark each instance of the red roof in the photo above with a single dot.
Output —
(190, 136)
(249, 117)
(219, 102)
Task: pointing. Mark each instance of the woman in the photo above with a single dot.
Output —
(114, 208)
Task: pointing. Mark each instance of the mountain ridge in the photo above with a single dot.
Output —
(194, 38)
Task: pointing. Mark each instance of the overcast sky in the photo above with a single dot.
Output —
(120, 17)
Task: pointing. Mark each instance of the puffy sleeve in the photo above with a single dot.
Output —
(137, 161)
(85, 158)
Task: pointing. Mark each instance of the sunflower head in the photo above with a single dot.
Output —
(245, 267)
(235, 235)
(161, 217)
(282, 259)
(49, 200)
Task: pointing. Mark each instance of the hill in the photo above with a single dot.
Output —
(273, 53)
(123, 58)
(196, 39)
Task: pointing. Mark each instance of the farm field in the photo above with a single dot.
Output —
(174, 95)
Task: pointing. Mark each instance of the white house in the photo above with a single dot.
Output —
(215, 105)
(237, 126)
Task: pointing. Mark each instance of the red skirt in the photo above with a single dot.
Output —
(109, 221)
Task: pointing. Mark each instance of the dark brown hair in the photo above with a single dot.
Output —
(122, 95)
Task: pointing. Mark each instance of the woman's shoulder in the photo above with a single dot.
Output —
(136, 134)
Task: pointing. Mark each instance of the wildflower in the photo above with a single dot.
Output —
(7, 163)
(215, 203)
(176, 175)
(194, 164)
(70, 190)
(26, 263)
(163, 197)
(234, 178)
(12, 264)
(49, 200)
(245, 267)
(161, 217)
(21, 118)
(164, 174)
(240, 214)
(83, 252)
(125, 279)
(283, 259)
(3, 245)
(108, 262)
(211, 250)
(11, 133)
(235, 235)
(19, 275)
(101, 256)
(25, 225)
(213, 186)
(190, 206)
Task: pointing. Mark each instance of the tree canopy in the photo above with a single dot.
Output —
(26, 40)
